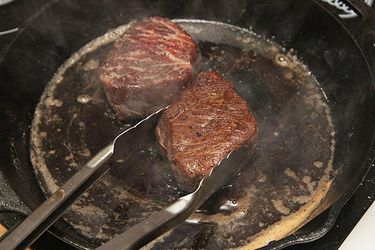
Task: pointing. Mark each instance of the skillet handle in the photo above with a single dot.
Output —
(49, 211)
(358, 18)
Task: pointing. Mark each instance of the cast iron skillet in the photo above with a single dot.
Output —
(338, 53)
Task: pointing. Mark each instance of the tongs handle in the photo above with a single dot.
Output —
(50, 210)
(157, 224)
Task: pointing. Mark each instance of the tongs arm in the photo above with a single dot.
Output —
(155, 225)
(158, 223)
(164, 220)
(51, 209)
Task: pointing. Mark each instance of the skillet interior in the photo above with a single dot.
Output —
(350, 94)
(289, 175)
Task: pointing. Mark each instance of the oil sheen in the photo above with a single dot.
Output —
(277, 192)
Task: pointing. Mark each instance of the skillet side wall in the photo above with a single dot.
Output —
(66, 26)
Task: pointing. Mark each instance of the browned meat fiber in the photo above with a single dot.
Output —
(207, 122)
(148, 67)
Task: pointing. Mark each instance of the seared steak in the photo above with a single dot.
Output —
(207, 122)
(147, 67)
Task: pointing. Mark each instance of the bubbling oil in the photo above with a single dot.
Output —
(282, 186)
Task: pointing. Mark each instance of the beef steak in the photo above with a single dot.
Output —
(148, 67)
(207, 122)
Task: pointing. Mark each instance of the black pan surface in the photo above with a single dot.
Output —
(350, 95)
(280, 188)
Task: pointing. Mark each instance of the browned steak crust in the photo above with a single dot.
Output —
(207, 122)
(147, 67)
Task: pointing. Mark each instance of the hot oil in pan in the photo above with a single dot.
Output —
(284, 183)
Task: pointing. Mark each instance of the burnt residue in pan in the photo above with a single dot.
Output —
(283, 184)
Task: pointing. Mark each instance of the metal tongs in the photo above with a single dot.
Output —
(158, 223)
(162, 221)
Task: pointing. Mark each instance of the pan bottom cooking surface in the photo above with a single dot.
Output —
(282, 186)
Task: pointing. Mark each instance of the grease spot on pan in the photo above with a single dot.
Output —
(283, 185)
